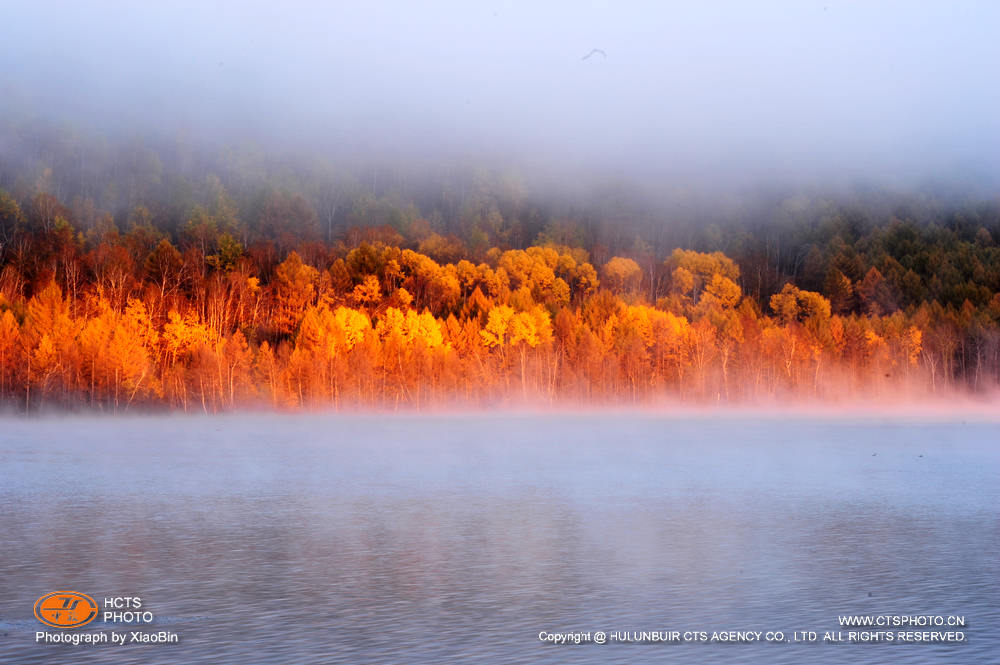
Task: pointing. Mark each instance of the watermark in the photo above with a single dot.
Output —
(896, 620)
(661, 636)
(948, 633)
(69, 610)
(65, 609)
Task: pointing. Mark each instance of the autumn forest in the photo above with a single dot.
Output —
(138, 276)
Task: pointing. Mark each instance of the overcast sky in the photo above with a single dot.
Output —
(752, 89)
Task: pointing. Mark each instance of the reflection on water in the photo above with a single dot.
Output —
(431, 539)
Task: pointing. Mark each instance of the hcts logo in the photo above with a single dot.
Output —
(65, 609)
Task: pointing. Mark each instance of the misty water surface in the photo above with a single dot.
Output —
(434, 539)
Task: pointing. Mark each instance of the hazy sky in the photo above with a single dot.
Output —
(893, 89)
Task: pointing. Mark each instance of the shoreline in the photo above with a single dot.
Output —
(985, 410)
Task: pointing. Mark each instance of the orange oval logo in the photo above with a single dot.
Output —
(65, 609)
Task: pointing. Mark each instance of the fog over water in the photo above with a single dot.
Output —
(720, 92)
(429, 539)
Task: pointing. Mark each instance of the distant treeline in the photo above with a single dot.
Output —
(130, 279)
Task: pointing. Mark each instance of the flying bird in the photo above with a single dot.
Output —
(593, 51)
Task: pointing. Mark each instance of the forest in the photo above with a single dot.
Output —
(137, 274)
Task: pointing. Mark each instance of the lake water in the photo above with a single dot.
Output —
(434, 539)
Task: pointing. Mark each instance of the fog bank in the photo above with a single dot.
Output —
(726, 92)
